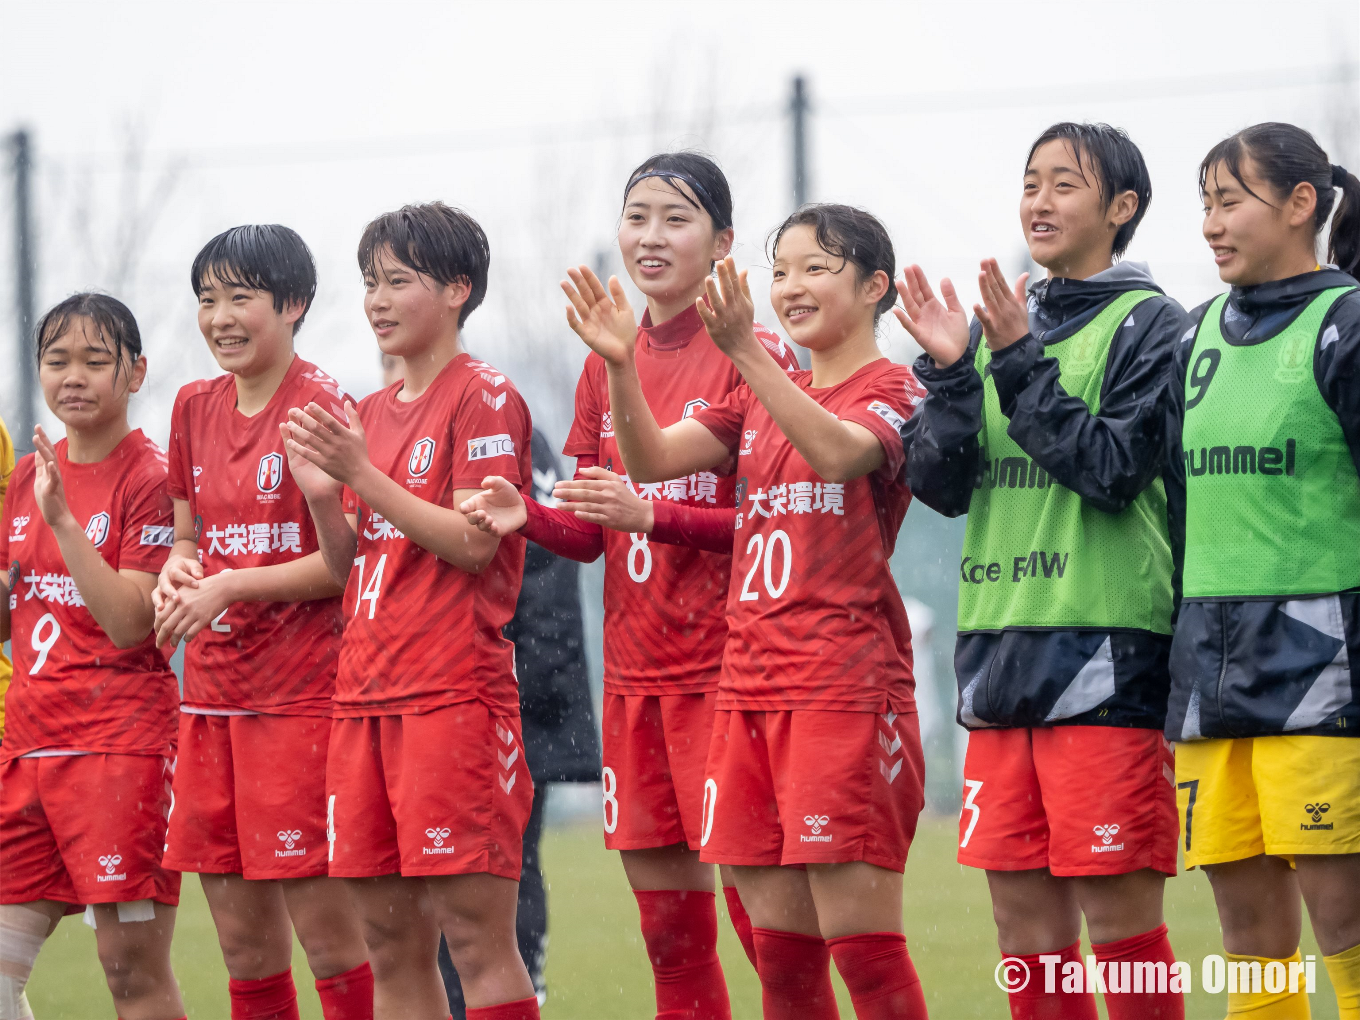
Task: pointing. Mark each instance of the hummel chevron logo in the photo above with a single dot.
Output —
(888, 748)
(508, 786)
(889, 774)
(508, 763)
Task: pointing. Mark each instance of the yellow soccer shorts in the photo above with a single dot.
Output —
(1280, 795)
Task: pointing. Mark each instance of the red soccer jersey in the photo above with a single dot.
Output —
(73, 688)
(274, 657)
(814, 615)
(420, 633)
(664, 625)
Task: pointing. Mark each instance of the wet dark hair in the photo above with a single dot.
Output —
(435, 240)
(1286, 156)
(261, 256)
(850, 234)
(1118, 166)
(699, 173)
(112, 320)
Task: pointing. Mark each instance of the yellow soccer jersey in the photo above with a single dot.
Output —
(6, 469)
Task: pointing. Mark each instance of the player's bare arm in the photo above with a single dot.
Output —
(119, 600)
(342, 452)
(4, 610)
(605, 321)
(599, 496)
(839, 451)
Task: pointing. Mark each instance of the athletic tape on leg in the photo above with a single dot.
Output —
(136, 910)
(22, 933)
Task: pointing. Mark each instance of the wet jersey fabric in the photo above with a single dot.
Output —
(814, 616)
(1108, 453)
(1034, 553)
(1250, 664)
(420, 633)
(73, 689)
(664, 626)
(275, 657)
(6, 469)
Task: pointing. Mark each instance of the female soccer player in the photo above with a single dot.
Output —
(1263, 663)
(427, 789)
(90, 737)
(246, 582)
(664, 603)
(1050, 435)
(814, 776)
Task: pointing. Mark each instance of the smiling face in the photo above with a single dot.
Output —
(409, 311)
(246, 335)
(819, 297)
(1252, 240)
(1068, 225)
(668, 242)
(86, 379)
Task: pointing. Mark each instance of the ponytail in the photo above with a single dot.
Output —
(1286, 156)
(1343, 245)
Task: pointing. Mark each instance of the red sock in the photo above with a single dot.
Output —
(680, 929)
(879, 973)
(1120, 958)
(1032, 1003)
(347, 996)
(520, 1009)
(795, 979)
(740, 921)
(270, 998)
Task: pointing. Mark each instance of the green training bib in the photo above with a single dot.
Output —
(1036, 554)
(1272, 496)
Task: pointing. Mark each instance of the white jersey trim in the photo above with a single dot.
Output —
(215, 711)
(53, 752)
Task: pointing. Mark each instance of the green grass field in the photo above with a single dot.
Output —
(597, 969)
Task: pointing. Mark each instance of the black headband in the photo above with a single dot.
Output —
(1339, 175)
(705, 199)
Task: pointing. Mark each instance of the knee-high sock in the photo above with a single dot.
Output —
(1344, 970)
(520, 1009)
(880, 975)
(1265, 1005)
(1032, 1002)
(680, 929)
(1121, 958)
(741, 921)
(270, 998)
(795, 979)
(347, 996)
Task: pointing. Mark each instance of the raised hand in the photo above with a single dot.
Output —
(602, 497)
(941, 328)
(48, 491)
(314, 482)
(1004, 313)
(729, 314)
(498, 509)
(603, 319)
(314, 435)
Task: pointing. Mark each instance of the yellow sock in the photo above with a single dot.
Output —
(1265, 1005)
(1344, 970)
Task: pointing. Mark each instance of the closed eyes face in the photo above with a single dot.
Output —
(86, 380)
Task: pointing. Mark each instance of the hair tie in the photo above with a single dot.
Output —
(1339, 175)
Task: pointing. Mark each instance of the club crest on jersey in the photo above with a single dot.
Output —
(269, 476)
(422, 456)
(98, 529)
(693, 407)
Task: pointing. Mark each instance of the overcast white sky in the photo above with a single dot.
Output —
(320, 115)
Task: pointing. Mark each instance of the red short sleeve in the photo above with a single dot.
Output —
(885, 403)
(487, 440)
(725, 420)
(178, 455)
(349, 500)
(148, 524)
(584, 437)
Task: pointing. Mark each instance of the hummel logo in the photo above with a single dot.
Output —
(816, 821)
(1106, 833)
(438, 835)
(290, 837)
(1317, 810)
(494, 402)
(750, 436)
(110, 862)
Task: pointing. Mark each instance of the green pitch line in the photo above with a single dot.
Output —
(597, 969)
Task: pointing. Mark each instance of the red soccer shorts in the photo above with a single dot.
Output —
(655, 751)
(85, 829)
(1078, 800)
(812, 787)
(443, 793)
(250, 796)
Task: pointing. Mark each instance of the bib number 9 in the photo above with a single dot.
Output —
(764, 550)
(42, 645)
(1202, 374)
